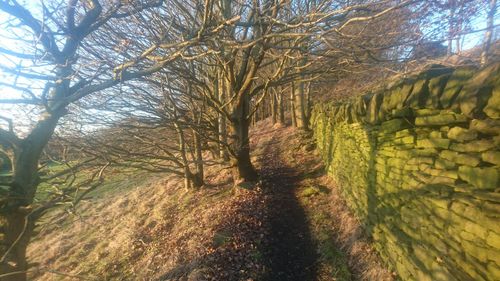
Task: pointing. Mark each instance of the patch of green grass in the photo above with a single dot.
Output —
(221, 237)
(336, 260)
(314, 190)
(309, 191)
(256, 255)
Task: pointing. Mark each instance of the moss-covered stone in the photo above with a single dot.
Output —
(373, 108)
(436, 87)
(491, 157)
(461, 134)
(454, 85)
(482, 178)
(476, 92)
(404, 112)
(492, 108)
(493, 270)
(460, 158)
(434, 185)
(419, 94)
(394, 125)
(426, 112)
(474, 146)
(493, 239)
(420, 160)
(487, 126)
(444, 164)
(448, 118)
(433, 143)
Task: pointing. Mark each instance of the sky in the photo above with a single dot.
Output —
(7, 41)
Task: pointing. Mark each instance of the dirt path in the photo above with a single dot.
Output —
(291, 254)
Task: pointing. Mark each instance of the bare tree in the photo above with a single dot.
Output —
(489, 32)
(78, 48)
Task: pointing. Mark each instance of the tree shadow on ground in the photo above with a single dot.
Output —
(290, 253)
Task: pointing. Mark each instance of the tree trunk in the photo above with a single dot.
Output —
(300, 107)
(188, 176)
(222, 121)
(240, 143)
(489, 32)
(308, 102)
(17, 229)
(200, 175)
(451, 30)
(274, 108)
(292, 106)
(281, 108)
(16, 226)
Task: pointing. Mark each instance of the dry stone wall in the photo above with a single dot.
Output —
(419, 164)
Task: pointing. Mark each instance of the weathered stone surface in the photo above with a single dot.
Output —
(436, 87)
(442, 119)
(491, 157)
(460, 134)
(433, 143)
(454, 85)
(488, 126)
(424, 179)
(474, 146)
(426, 112)
(459, 158)
(394, 125)
(493, 239)
(373, 108)
(445, 164)
(476, 92)
(418, 95)
(492, 108)
(482, 178)
(402, 112)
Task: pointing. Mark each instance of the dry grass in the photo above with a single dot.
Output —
(138, 234)
(151, 228)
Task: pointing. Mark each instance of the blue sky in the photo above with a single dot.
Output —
(6, 33)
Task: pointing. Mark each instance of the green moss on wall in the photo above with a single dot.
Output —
(419, 165)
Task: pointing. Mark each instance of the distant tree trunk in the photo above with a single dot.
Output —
(308, 102)
(301, 107)
(222, 122)
(292, 105)
(200, 175)
(281, 108)
(451, 30)
(240, 143)
(274, 107)
(16, 225)
(489, 32)
(188, 176)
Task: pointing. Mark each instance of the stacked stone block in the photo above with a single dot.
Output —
(419, 163)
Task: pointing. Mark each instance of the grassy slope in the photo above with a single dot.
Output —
(148, 227)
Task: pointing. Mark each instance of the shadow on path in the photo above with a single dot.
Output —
(290, 253)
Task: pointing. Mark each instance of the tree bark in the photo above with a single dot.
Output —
(16, 226)
(240, 143)
(222, 119)
(17, 229)
(281, 108)
(300, 107)
(292, 106)
(274, 108)
(200, 175)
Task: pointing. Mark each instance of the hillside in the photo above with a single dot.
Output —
(291, 226)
